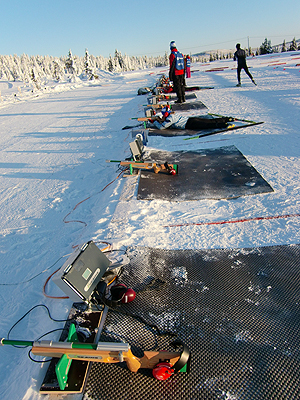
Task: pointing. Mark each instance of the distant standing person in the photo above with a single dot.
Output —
(240, 57)
(176, 73)
(187, 60)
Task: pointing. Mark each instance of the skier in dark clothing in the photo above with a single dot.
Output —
(240, 57)
(176, 73)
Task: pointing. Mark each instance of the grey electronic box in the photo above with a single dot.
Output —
(82, 271)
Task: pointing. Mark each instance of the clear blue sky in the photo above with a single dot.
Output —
(139, 27)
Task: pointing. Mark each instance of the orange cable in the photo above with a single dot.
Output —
(45, 285)
(82, 201)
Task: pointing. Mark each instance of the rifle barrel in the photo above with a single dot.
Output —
(15, 342)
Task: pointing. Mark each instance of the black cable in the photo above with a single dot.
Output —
(132, 341)
(150, 285)
(121, 168)
(38, 305)
(35, 276)
(48, 269)
(144, 321)
(45, 334)
(37, 361)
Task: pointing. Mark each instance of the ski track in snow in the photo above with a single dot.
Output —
(52, 165)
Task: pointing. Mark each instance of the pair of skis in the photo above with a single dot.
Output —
(228, 128)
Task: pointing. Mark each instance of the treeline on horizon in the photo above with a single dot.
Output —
(37, 69)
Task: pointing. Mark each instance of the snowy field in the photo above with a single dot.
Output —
(57, 191)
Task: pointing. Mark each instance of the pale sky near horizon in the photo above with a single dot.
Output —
(139, 27)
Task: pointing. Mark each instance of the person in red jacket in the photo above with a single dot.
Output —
(187, 64)
(176, 73)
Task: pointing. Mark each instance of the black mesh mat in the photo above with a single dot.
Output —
(172, 132)
(236, 309)
(221, 173)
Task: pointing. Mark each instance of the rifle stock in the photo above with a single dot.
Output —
(147, 118)
(94, 355)
(105, 352)
(152, 358)
(147, 165)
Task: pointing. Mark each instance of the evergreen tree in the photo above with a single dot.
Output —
(16, 68)
(58, 72)
(283, 48)
(166, 59)
(35, 78)
(293, 46)
(25, 67)
(110, 64)
(119, 61)
(70, 63)
(101, 62)
(87, 65)
(266, 47)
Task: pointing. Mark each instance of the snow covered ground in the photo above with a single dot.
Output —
(57, 191)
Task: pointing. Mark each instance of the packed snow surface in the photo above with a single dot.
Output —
(58, 191)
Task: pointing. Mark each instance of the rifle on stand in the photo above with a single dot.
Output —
(163, 363)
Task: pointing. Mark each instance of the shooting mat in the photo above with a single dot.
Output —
(192, 105)
(170, 96)
(236, 309)
(222, 173)
(188, 96)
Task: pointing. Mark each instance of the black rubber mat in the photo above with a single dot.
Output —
(188, 96)
(170, 96)
(187, 106)
(222, 173)
(236, 309)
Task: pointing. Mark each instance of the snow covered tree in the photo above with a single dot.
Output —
(101, 62)
(58, 70)
(87, 65)
(47, 66)
(283, 48)
(266, 47)
(25, 67)
(35, 78)
(69, 63)
(293, 46)
(110, 64)
(119, 62)
(36, 63)
(166, 58)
